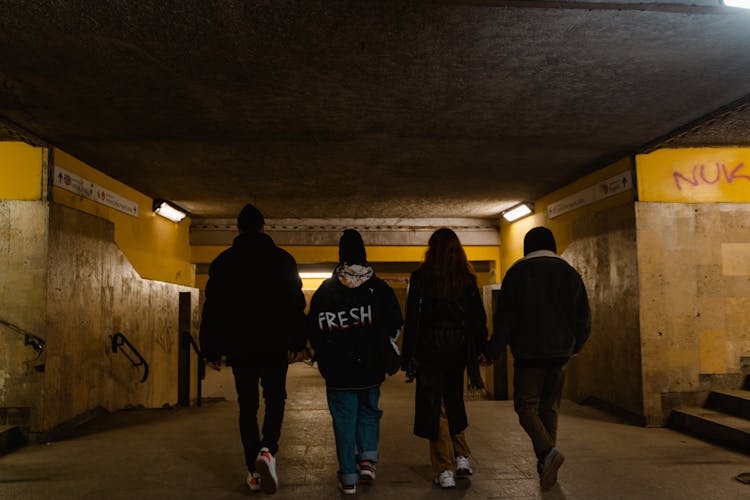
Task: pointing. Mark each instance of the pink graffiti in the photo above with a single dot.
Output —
(710, 175)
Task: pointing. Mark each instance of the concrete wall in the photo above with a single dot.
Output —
(694, 271)
(603, 250)
(94, 292)
(23, 282)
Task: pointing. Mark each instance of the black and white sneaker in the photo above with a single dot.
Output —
(463, 468)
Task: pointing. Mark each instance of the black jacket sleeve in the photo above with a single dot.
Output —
(295, 321)
(412, 322)
(477, 320)
(504, 318)
(211, 328)
(392, 310)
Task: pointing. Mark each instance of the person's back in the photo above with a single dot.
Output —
(543, 310)
(354, 318)
(254, 314)
(543, 313)
(253, 297)
(444, 333)
(350, 325)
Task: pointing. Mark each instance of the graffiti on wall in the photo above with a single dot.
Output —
(694, 175)
(710, 174)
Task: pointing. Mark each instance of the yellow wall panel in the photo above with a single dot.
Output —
(512, 234)
(157, 248)
(21, 169)
(735, 259)
(694, 175)
(713, 351)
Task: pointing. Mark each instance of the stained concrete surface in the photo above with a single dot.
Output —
(195, 453)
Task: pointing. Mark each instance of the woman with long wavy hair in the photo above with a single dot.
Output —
(444, 332)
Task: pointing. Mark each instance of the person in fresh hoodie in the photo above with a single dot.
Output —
(354, 319)
(543, 314)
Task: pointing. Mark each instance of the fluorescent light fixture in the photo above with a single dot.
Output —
(742, 4)
(168, 210)
(518, 211)
(313, 275)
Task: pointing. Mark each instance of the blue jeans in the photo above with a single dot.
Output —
(356, 426)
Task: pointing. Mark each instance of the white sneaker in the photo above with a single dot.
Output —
(463, 468)
(445, 479)
(265, 464)
(348, 489)
(366, 470)
(253, 481)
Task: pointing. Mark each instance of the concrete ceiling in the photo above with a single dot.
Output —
(369, 109)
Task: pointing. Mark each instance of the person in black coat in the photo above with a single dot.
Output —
(254, 314)
(543, 314)
(354, 321)
(444, 335)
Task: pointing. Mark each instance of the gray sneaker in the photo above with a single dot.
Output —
(550, 465)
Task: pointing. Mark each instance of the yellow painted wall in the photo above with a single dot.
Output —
(511, 235)
(157, 248)
(694, 175)
(21, 168)
(314, 254)
(695, 298)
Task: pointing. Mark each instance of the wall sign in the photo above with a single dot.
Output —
(80, 186)
(610, 187)
(694, 175)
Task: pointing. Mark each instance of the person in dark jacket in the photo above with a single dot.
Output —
(543, 313)
(354, 319)
(444, 336)
(254, 314)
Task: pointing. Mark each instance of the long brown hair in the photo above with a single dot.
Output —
(447, 270)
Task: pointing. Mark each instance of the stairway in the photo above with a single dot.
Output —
(13, 427)
(724, 418)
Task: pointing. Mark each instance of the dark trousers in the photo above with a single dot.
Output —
(537, 391)
(270, 371)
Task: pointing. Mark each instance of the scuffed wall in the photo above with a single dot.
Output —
(694, 270)
(94, 292)
(23, 280)
(603, 250)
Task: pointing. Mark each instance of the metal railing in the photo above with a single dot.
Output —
(29, 339)
(118, 342)
(186, 342)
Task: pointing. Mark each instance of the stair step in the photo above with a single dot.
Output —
(732, 401)
(727, 430)
(11, 438)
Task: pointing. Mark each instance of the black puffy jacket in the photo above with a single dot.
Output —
(350, 328)
(254, 302)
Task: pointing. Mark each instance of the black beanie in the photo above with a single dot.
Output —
(539, 238)
(352, 248)
(250, 220)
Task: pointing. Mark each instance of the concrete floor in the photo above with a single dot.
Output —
(195, 454)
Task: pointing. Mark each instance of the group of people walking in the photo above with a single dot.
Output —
(254, 314)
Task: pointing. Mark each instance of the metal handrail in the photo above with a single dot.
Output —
(118, 341)
(188, 338)
(35, 342)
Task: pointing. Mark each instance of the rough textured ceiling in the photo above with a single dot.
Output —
(366, 109)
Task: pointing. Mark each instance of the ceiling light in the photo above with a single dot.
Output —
(742, 4)
(518, 211)
(169, 210)
(314, 275)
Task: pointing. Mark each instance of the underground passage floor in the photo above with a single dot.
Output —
(195, 453)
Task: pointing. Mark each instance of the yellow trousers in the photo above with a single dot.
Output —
(445, 448)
